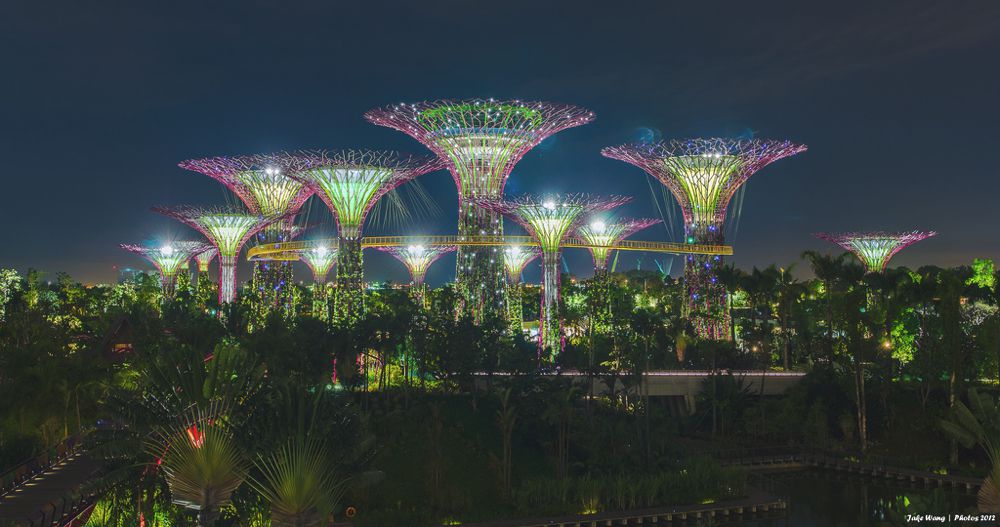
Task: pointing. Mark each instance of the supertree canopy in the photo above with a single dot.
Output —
(703, 175)
(228, 230)
(875, 249)
(549, 220)
(515, 258)
(481, 141)
(417, 259)
(320, 259)
(350, 182)
(262, 183)
(167, 258)
(204, 258)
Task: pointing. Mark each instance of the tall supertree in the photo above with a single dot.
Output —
(417, 259)
(262, 183)
(875, 249)
(602, 236)
(703, 175)
(550, 220)
(515, 258)
(167, 259)
(228, 230)
(320, 259)
(481, 141)
(350, 182)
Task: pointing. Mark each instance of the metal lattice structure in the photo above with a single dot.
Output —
(549, 220)
(167, 259)
(350, 182)
(228, 230)
(320, 259)
(603, 236)
(515, 258)
(481, 141)
(703, 175)
(204, 258)
(418, 258)
(875, 249)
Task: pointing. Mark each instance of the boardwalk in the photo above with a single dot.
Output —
(29, 500)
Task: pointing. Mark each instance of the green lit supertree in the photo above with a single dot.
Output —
(550, 220)
(481, 141)
(515, 258)
(703, 175)
(875, 249)
(350, 182)
(418, 258)
(262, 183)
(320, 259)
(167, 259)
(602, 235)
(228, 230)
(205, 288)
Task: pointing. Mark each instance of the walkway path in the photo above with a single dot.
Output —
(39, 493)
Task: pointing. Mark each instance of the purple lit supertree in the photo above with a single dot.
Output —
(228, 230)
(602, 235)
(875, 249)
(515, 258)
(350, 182)
(418, 258)
(262, 183)
(481, 141)
(205, 288)
(167, 259)
(703, 175)
(550, 220)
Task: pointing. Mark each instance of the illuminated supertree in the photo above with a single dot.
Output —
(350, 182)
(549, 220)
(875, 249)
(168, 259)
(481, 141)
(228, 230)
(319, 260)
(262, 183)
(515, 258)
(417, 259)
(206, 288)
(602, 236)
(703, 175)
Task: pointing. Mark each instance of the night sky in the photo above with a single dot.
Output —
(899, 103)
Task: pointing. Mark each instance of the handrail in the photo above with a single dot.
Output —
(289, 251)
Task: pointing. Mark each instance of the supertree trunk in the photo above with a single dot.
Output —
(168, 282)
(271, 286)
(206, 287)
(705, 295)
(349, 301)
(321, 302)
(600, 302)
(549, 321)
(227, 279)
(479, 270)
(515, 295)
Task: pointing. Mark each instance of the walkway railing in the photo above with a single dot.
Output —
(22, 473)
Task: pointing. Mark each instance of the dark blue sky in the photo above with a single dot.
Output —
(898, 102)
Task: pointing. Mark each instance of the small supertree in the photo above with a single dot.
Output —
(320, 259)
(549, 220)
(875, 249)
(262, 183)
(602, 236)
(167, 259)
(350, 183)
(206, 288)
(515, 258)
(228, 230)
(481, 141)
(703, 175)
(418, 258)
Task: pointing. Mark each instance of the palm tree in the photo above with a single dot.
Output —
(828, 269)
(789, 291)
(203, 467)
(980, 425)
(299, 482)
